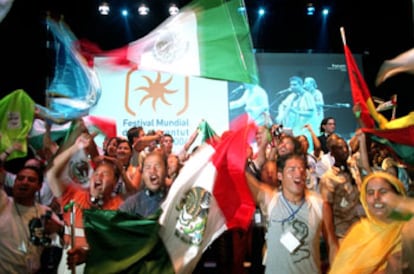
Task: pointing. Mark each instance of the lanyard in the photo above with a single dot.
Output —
(292, 213)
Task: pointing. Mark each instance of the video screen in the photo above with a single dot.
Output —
(297, 89)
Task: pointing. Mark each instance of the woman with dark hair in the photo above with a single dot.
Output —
(112, 144)
(131, 175)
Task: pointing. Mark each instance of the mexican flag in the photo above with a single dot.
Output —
(75, 87)
(209, 196)
(80, 167)
(104, 126)
(207, 38)
(38, 131)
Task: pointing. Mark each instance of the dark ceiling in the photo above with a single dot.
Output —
(371, 26)
(378, 29)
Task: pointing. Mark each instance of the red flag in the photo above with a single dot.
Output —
(230, 161)
(404, 136)
(361, 94)
(397, 134)
(104, 125)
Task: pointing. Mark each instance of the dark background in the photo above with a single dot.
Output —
(375, 29)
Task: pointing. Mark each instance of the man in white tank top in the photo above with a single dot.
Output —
(295, 218)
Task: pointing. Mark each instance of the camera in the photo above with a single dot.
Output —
(38, 236)
(278, 130)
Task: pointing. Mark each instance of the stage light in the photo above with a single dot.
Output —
(143, 9)
(104, 8)
(262, 11)
(310, 9)
(124, 12)
(325, 11)
(173, 9)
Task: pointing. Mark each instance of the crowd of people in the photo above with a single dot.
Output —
(343, 207)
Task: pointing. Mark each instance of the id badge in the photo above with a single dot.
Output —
(289, 241)
(258, 218)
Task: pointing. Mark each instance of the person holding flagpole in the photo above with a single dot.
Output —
(99, 196)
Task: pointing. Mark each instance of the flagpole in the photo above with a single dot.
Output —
(72, 230)
(48, 50)
(394, 107)
(342, 30)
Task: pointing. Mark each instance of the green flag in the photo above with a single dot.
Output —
(124, 243)
(17, 114)
(208, 135)
(208, 38)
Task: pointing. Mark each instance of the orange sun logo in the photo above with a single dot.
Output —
(156, 90)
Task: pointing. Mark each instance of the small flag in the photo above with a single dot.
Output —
(102, 125)
(68, 206)
(37, 133)
(387, 105)
(208, 135)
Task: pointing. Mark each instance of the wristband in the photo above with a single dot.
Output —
(357, 114)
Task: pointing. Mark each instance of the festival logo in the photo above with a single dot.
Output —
(156, 92)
